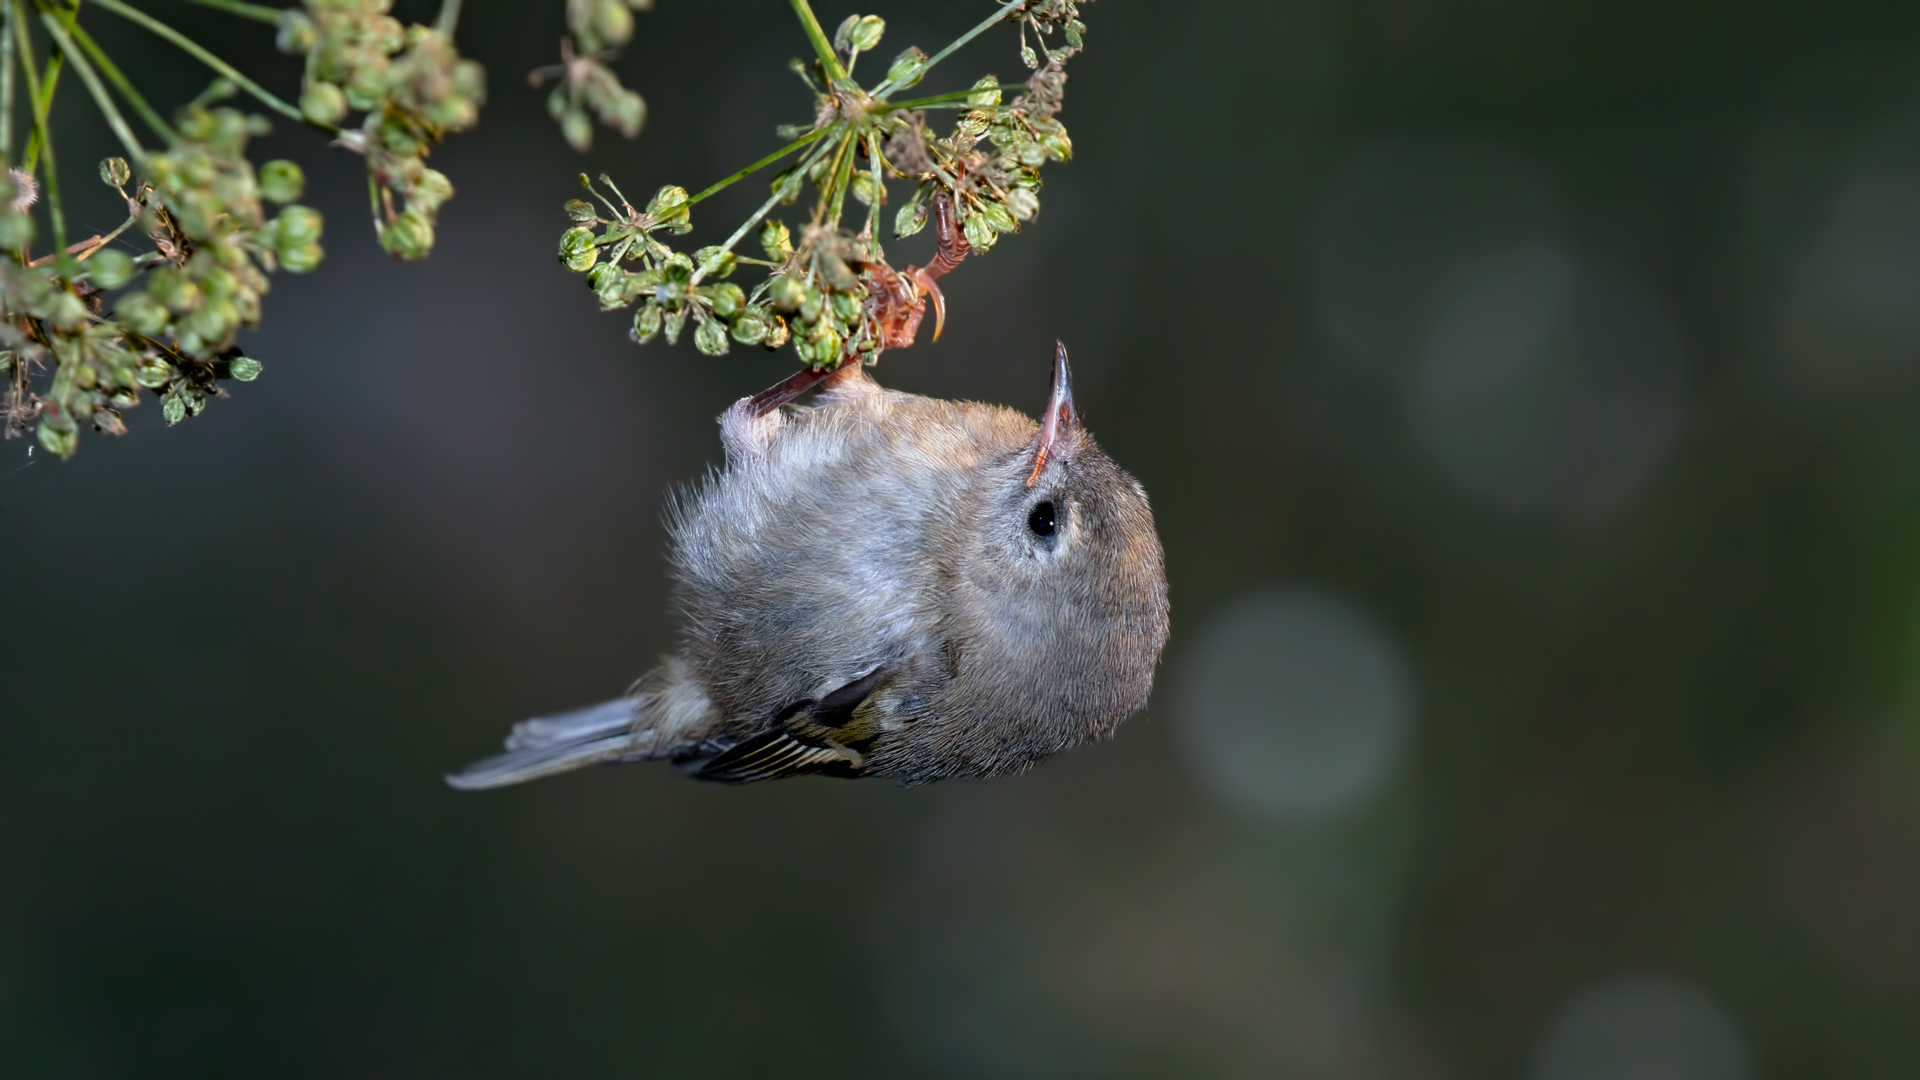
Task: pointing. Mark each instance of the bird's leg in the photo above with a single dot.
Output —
(770, 399)
(951, 247)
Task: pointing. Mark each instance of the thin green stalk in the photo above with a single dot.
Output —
(765, 207)
(43, 104)
(112, 72)
(94, 87)
(830, 60)
(833, 172)
(6, 83)
(194, 49)
(842, 177)
(55, 215)
(758, 165)
(449, 18)
(1007, 9)
(879, 188)
(958, 97)
(246, 11)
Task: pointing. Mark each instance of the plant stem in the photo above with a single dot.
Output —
(38, 104)
(879, 189)
(1007, 9)
(958, 97)
(765, 208)
(758, 165)
(839, 179)
(449, 18)
(112, 72)
(244, 10)
(94, 87)
(836, 74)
(194, 49)
(6, 83)
(43, 104)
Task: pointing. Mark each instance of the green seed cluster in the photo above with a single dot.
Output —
(626, 262)
(414, 89)
(201, 205)
(833, 295)
(587, 87)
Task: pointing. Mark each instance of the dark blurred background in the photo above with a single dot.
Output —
(1529, 394)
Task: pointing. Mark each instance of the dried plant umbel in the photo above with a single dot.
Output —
(71, 355)
(830, 291)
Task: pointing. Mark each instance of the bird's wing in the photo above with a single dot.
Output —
(774, 755)
(824, 736)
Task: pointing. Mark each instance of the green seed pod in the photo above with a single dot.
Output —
(911, 219)
(998, 217)
(646, 323)
(114, 172)
(578, 252)
(577, 128)
(715, 262)
(787, 293)
(678, 268)
(980, 234)
(865, 190)
(281, 181)
(728, 299)
(429, 191)
(408, 237)
(244, 368)
(987, 91)
(626, 112)
(710, 337)
(1022, 204)
(60, 442)
(66, 311)
(16, 231)
(1058, 146)
(580, 210)
(826, 345)
(296, 226)
(865, 32)
(171, 286)
(301, 259)
(143, 314)
(778, 333)
(296, 34)
(323, 103)
(173, 408)
(153, 372)
(811, 306)
(212, 322)
(845, 307)
(669, 207)
(750, 327)
(672, 323)
(110, 268)
(775, 240)
(611, 23)
(907, 68)
(217, 283)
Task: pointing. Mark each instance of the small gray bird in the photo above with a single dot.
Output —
(883, 584)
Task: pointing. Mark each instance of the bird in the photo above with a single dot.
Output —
(882, 584)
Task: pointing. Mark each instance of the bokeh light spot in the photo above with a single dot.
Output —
(1295, 704)
(1642, 1028)
(1549, 386)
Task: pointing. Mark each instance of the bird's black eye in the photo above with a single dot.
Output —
(1041, 520)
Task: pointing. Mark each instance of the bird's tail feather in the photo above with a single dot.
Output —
(554, 744)
(661, 714)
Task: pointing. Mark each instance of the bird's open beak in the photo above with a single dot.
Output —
(1059, 420)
